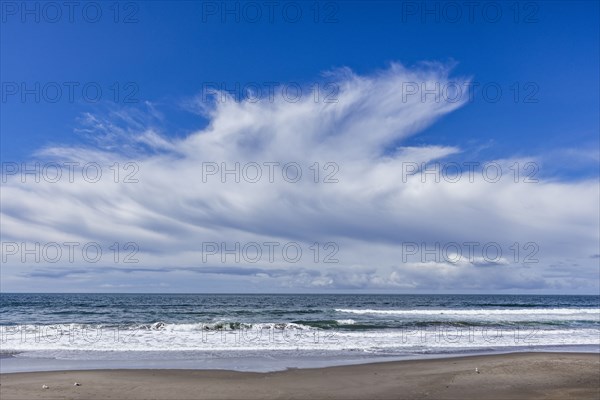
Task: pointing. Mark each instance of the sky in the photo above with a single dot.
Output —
(288, 146)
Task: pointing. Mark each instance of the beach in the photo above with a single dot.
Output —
(501, 376)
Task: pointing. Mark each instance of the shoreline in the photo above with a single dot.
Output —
(531, 375)
(261, 362)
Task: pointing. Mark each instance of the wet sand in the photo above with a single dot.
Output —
(505, 376)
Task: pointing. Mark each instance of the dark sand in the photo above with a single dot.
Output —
(558, 376)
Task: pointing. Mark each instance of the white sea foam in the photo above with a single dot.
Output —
(267, 337)
(590, 312)
(345, 321)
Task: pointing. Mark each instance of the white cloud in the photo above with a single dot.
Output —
(369, 213)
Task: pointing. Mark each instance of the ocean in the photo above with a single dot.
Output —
(272, 332)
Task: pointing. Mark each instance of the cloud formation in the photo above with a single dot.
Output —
(336, 181)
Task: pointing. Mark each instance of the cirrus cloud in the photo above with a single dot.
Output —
(368, 209)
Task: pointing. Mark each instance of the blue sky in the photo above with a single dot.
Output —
(548, 51)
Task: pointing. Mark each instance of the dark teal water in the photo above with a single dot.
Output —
(322, 311)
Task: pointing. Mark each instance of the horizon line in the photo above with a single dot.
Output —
(314, 293)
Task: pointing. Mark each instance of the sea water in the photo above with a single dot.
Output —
(271, 332)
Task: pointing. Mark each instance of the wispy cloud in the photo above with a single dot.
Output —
(363, 201)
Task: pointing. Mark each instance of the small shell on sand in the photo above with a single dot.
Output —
(77, 384)
(45, 387)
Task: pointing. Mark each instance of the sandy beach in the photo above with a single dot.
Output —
(507, 376)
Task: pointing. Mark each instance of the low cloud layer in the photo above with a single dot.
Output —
(297, 196)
